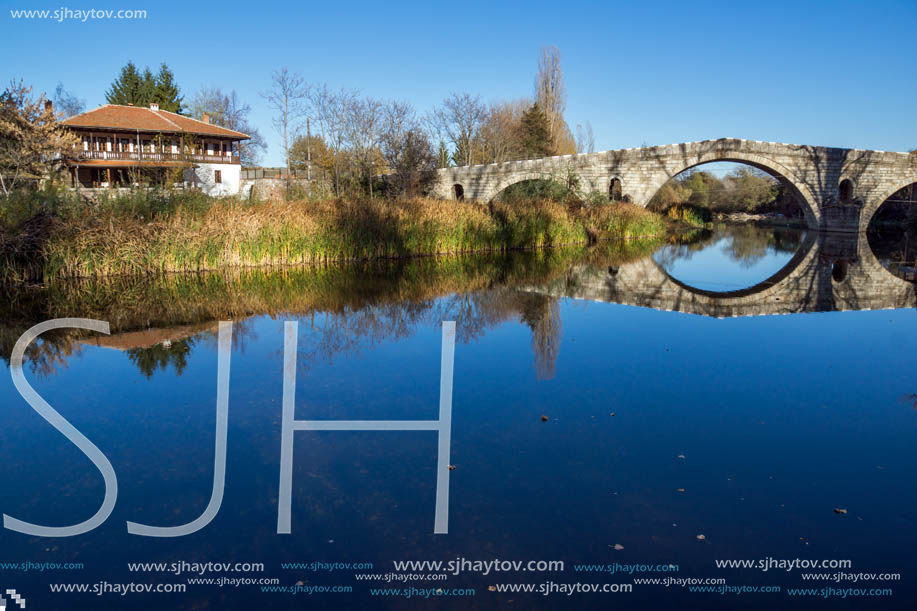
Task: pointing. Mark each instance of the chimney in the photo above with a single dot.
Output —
(154, 107)
(205, 118)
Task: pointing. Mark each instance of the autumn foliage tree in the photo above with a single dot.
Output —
(32, 142)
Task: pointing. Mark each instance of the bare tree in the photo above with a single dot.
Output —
(362, 132)
(585, 139)
(334, 111)
(500, 130)
(590, 138)
(406, 150)
(227, 110)
(458, 119)
(287, 99)
(399, 117)
(66, 103)
(580, 139)
(550, 91)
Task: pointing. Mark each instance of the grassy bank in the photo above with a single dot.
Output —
(148, 235)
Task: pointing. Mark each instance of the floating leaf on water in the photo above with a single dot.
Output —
(491, 588)
(839, 510)
(681, 489)
(681, 456)
(544, 418)
(300, 583)
(701, 537)
(452, 467)
(612, 414)
(618, 547)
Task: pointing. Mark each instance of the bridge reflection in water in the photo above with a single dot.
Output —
(829, 272)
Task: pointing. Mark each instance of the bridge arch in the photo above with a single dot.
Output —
(873, 203)
(515, 179)
(802, 193)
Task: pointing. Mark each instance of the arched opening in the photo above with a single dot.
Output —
(839, 271)
(536, 188)
(731, 192)
(616, 190)
(892, 233)
(744, 223)
(458, 192)
(845, 191)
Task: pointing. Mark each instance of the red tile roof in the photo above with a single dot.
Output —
(114, 116)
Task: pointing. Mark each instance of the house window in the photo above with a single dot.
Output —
(217, 176)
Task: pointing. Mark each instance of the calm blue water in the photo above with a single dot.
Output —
(767, 423)
(730, 259)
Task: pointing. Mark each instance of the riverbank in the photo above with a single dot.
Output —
(135, 240)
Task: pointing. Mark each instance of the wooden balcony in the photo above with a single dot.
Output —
(153, 158)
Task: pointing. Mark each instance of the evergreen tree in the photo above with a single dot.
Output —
(535, 136)
(442, 155)
(141, 89)
(166, 92)
(128, 88)
(147, 88)
(459, 155)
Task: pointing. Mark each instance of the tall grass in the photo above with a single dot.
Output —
(148, 234)
(623, 221)
(691, 215)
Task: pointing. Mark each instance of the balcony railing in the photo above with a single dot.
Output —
(149, 157)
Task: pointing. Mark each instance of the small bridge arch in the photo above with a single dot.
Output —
(515, 180)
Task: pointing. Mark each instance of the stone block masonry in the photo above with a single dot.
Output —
(838, 189)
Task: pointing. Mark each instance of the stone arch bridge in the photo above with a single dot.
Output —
(838, 189)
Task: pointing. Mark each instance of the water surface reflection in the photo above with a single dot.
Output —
(744, 427)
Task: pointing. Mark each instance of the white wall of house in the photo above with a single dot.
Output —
(205, 178)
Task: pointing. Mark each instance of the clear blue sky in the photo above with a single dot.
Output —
(828, 73)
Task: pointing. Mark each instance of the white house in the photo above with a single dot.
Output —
(124, 145)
